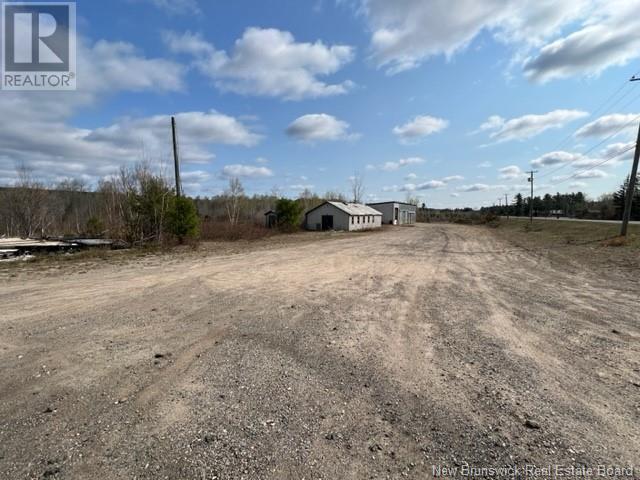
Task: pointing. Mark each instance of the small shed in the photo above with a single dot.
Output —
(396, 213)
(270, 219)
(343, 216)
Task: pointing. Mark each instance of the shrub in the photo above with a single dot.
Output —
(288, 212)
(615, 242)
(225, 232)
(182, 219)
(95, 227)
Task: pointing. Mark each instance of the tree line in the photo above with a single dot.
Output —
(576, 205)
(139, 206)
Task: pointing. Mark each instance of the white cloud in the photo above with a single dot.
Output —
(248, 171)
(607, 38)
(619, 152)
(494, 122)
(319, 127)
(556, 158)
(262, 160)
(479, 187)
(608, 125)
(430, 185)
(455, 195)
(194, 128)
(420, 127)
(193, 181)
(550, 39)
(408, 32)
(484, 165)
(578, 185)
(36, 128)
(582, 175)
(113, 66)
(268, 62)
(60, 150)
(595, 173)
(411, 176)
(177, 6)
(188, 42)
(403, 162)
(453, 178)
(528, 126)
(511, 172)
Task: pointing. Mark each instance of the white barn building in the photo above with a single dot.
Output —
(396, 213)
(343, 216)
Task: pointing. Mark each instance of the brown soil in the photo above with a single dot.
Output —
(367, 356)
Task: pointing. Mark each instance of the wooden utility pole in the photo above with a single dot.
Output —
(506, 204)
(531, 197)
(176, 158)
(631, 187)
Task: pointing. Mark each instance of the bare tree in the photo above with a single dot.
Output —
(335, 196)
(357, 187)
(308, 199)
(411, 200)
(27, 205)
(233, 200)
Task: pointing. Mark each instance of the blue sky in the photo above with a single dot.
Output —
(447, 101)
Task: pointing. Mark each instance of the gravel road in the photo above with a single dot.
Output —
(375, 355)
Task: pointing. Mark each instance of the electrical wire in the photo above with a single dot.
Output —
(584, 154)
(592, 167)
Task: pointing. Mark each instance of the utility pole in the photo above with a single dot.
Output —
(506, 204)
(531, 197)
(631, 187)
(176, 158)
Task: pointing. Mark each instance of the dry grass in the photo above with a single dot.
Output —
(225, 232)
(554, 233)
(584, 243)
(615, 242)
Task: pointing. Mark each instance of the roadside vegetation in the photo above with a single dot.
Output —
(138, 207)
(586, 244)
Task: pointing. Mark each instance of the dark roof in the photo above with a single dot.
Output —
(270, 212)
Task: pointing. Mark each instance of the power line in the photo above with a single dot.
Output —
(595, 113)
(592, 148)
(601, 109)
(591, 167)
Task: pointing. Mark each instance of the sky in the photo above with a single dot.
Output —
(447, 101)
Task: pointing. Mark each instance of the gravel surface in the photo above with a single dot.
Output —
(369, 356)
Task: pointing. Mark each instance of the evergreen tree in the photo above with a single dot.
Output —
(619, 200)
(289, 212)
(182, 219)
(519, 206)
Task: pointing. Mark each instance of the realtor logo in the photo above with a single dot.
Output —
(39, 46)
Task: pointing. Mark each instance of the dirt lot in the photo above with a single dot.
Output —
(367, 356)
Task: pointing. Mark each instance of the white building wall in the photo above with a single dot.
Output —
(387, 210)
(341, 220)
(367, 222)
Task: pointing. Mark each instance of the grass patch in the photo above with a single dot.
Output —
(558, 232)
(596, 245)
(225, 232)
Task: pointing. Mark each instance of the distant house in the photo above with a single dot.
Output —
(396, 213)
(342, 216)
